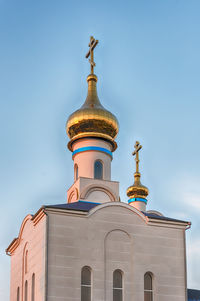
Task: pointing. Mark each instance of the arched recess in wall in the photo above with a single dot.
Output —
(98, 169)
(26, 291)
(24, 269)
(26, 262)
(18, 293)
(86, 284)
(118, 252)
(33, 288)
(148, 286)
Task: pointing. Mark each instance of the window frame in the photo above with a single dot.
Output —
(102, 171)
(87, 285)
(122, 284)
(152, 285)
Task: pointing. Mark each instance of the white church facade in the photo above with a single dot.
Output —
(95, 247)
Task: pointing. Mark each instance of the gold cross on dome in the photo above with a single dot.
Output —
(136, 154)
(93, 43)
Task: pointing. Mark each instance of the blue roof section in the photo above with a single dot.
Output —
(87, 206)
(165, 218)
(193, 295)
(77, 206)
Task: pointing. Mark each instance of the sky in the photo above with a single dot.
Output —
(148, 68)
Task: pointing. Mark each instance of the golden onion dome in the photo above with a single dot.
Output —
(137, 190)
(92, 119)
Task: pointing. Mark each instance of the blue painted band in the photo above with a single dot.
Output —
(91, 148)
(137, 200)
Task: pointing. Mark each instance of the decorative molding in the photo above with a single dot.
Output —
(120, 204)
(38, 217)
(73, 194)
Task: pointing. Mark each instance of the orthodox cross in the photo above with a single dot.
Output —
(136, 154)
(93, 43)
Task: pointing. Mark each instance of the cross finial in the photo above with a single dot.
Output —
(93, 43)
(136, 154)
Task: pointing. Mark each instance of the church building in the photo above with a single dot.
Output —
(95, 247)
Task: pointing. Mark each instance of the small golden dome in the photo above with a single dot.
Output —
(92, 119)
(137, 190)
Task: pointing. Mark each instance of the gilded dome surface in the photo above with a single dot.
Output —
(92, 119)
(137, 190)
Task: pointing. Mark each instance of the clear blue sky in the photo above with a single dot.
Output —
(148, 65)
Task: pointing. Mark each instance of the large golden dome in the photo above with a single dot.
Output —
(92, 119)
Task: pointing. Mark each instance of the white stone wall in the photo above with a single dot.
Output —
(31, 238)
(114, 236)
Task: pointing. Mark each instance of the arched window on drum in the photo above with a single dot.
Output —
(98, 170)
(75, 172)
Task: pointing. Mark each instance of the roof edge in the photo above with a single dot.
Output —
(16, 241)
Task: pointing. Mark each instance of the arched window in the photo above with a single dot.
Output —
(98, 170)
(75, 172)
(26, 291)
(117, 286)
(33, 288)
(86, 284)
(148, 287)
(18, 294)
